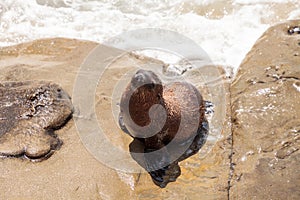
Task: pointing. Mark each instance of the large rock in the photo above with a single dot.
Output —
(266, 117)
(73, 172)
(30, 112)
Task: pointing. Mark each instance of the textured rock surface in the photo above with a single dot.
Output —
(266, 118)
(73, 173)
(29, 114)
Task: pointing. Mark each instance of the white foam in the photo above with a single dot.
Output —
(294, 14)
(263, 1)
(264, 91)
(226, 30)
(297, 86)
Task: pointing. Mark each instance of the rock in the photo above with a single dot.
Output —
(74, 172)
(266, 117)
(29, 114)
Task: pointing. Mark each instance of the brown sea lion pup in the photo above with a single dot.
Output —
(157, 115)
(181, 105)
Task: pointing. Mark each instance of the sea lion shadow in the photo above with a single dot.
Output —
(171, 170)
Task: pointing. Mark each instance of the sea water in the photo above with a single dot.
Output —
(226, 30)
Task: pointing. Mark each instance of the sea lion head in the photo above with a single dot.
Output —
(144, 91)
(147, 81)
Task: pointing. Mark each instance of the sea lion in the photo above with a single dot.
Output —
(156, 114)
(30, 111)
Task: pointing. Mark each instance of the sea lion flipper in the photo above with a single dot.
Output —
(160, 168)
(122, 125)
(156, 159)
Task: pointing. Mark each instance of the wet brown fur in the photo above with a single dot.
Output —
(188, 103)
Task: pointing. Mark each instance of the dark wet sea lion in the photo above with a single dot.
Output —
(177, 99)
(179, 119)
(29, 113)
